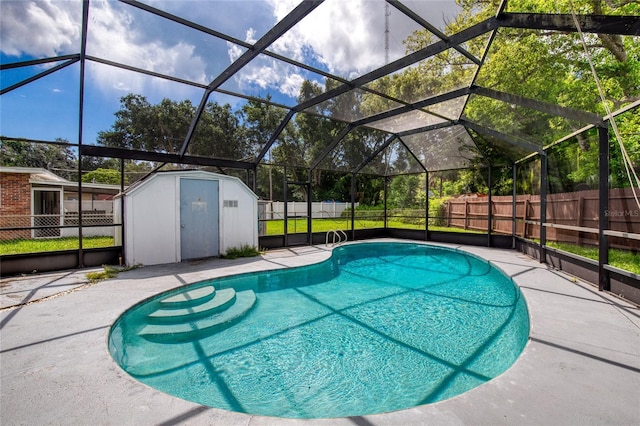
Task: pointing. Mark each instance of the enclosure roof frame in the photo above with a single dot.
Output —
(564, 23)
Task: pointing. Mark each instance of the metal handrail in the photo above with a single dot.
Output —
(326, 239)
(336, 234)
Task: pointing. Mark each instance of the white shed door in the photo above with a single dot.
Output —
(199, 223)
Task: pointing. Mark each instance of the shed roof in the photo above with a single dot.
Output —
(188, 174)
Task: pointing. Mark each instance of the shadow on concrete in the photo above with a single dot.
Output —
(54, 339)
(31, 295)
(184, 417)
(586, 354)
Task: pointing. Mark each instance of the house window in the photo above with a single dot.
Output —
(230, 203)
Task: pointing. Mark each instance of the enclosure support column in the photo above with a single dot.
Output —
(83, 55)
(489, 208)
(80, 248)
(514, 206)
(286, 210)
(543, 206)
(604, 282)
(426, 206)
(122, 253)
(353, 206)
(309, 212)
(254, 183)
(386, 187)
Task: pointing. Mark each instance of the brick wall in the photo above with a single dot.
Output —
(15, 200)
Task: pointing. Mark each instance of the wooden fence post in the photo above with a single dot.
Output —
(524, 218)
(466, 213)
(580, 214)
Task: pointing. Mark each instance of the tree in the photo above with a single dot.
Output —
(94, 163)
(163, 128)
(108, 176)
(136, 170)
(405, 192)
(370, 190)
(546, 66)
(335, 186)
(130, 128)
(313, 130)
(260, 121)
(220, 134)
(57, 158)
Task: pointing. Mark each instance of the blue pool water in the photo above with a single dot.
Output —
(377, 327)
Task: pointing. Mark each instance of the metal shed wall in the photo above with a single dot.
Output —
(152, 216)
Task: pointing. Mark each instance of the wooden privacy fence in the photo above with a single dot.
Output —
(574, 209)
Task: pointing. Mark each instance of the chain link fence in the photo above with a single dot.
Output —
(51, 232)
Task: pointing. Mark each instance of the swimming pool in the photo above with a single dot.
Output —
(377, 327)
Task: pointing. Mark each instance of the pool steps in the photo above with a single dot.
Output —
(222, 300)
(216, 311)
(188, 298)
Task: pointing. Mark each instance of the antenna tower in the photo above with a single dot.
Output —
(387, 13)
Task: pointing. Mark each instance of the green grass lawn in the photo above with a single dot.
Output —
(623, 259)
(276, 227)
(52, 244)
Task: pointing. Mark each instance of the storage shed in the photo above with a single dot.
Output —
(181, 215)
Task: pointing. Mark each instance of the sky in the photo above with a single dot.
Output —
(346, 38)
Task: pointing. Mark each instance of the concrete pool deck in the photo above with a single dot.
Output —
(581, 365)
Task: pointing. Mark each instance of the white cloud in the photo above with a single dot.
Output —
(346, 36)
(234, 51)
(251, 36)
(291, 85)
(50, 28)
(114, 35)
(263, 72)
(343, 37)
(120, 85)
(41, 29)
(281, 8)
(270, 74)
